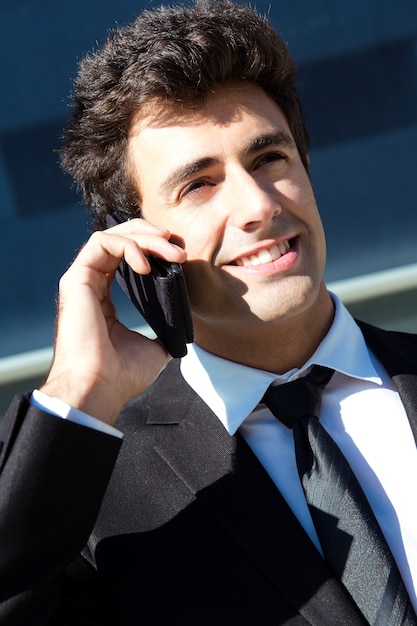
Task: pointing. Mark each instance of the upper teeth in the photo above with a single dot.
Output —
(265, 256)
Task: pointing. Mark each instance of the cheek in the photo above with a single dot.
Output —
(302, 196)
(201, 238)
(204, 283)
(198, 284)
(304, 206)
(298, 186)
(197, 274)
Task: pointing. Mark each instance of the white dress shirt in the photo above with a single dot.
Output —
(360, 409)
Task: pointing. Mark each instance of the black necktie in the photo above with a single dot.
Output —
(349, 534)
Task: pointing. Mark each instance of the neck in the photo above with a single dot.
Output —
(277, 346)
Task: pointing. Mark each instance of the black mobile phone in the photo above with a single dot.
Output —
(161, 298)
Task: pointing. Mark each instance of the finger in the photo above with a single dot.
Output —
(104, 251)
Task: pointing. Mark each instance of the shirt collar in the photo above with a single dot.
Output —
(232, 390)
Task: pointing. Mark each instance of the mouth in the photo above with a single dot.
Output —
(264, 256)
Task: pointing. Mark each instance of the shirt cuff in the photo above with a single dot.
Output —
(63, 410)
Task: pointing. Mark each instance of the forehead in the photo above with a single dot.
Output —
(227, 105)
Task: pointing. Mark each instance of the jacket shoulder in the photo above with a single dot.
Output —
(396, 350)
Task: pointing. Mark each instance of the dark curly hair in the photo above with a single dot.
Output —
(174, 54)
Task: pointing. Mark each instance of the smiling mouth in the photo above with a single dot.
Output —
(267, 255)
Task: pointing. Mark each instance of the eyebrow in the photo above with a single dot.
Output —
(278, 138)
(184, 172)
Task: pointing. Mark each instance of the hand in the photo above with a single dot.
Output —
(98, 363)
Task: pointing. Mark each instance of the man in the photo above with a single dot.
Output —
(189, 118)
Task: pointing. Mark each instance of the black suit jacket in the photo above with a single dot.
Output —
(191, 530)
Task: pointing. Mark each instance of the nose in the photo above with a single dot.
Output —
(252, 203)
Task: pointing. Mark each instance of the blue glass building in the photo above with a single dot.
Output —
(358, 81)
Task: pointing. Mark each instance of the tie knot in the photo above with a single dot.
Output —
(298, 398)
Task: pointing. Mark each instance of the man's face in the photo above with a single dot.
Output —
(228, 182)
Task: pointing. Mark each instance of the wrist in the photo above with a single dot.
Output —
(61, 409)
(80, 399)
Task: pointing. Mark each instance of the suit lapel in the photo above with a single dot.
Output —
(231, 484)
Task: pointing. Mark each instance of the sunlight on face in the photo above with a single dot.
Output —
(228, 182)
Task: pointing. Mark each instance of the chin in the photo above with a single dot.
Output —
(281, 304)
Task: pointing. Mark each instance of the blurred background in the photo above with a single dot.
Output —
(358, 81)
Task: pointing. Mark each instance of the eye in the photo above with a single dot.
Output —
(195, 187)
(270, 157)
